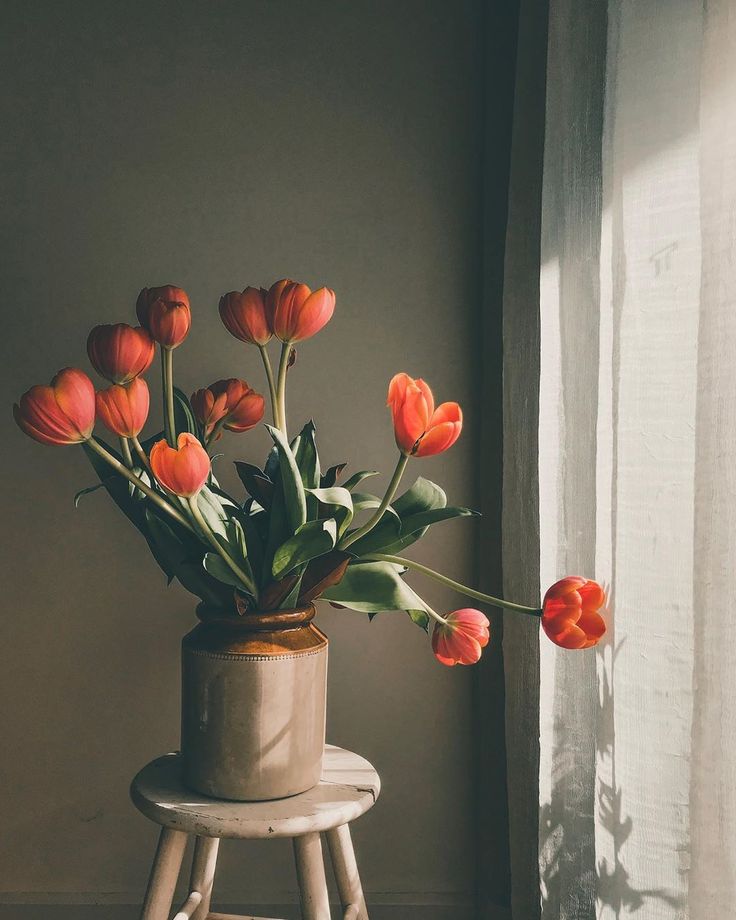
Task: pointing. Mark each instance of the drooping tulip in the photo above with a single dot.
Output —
(165, 313)
(245, 315)
(296, 311)
(232, 402)
(461, 639)
(62, 413)
(120, 352)
(183, 469)
(124, 409)
(570, 612)
(420, 429)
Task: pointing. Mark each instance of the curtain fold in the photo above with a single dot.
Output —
(636, 472)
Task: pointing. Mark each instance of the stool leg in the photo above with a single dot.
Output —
(202, 878)
(346, 872)
(310, 873)
(164, 873)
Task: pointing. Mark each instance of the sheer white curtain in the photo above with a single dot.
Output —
(637, 458)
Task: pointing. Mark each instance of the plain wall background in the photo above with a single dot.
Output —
(215, 145)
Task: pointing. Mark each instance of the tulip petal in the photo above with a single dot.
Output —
(438, 439)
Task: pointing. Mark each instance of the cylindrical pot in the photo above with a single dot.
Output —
(254, 692)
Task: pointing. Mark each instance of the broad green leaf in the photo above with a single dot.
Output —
(256, 483)
(116, 485)
(315, 538)
(422, 496)
(339, 504)
(416, 525)
(219, 569)
(358, 477)
(330, 477)
(371, 587)
(305, 455)
(216, 510)
(421, 618)
(295, 501)
(184, 419)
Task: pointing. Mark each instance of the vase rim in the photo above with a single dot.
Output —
(258, 620)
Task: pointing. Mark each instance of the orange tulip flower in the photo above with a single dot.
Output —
(165, 313)
(230, 400)
(124, 410)
(462, 638)
(62, 413)
(296, 311)
(570, 614)
(183, 469)
(120, 352)
(420, 429)
(245, 315)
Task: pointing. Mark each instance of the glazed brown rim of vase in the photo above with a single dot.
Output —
(260, 620)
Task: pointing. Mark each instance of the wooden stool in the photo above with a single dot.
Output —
(348, 788)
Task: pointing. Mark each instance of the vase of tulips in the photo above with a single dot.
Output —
(254, 668)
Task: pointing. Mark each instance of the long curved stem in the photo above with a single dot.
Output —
(281, 386)
(125, 451)
(455, 585)
(216, 429)
(218, 547)
(434, 614)
(141, 454)
(155, 497)
(167, 362)
(385, 502)
(271, 385)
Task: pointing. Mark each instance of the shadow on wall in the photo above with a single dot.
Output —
(565, 833)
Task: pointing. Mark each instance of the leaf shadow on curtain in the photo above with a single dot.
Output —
(561, 827)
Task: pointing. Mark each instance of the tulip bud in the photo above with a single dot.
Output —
(461, 638)
(165, 313)
(244, 316)
(419, 428)
(297, 312)
(183, 469)
(62, 413)
(119, 353)
(570, 613)
(124, 410)
(232, 402)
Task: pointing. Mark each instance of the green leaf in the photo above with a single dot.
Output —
(116, 485)
(357, 478)
(328, 479)
(184, 419)
(372, 587)
(257, 484)
(215, 509)
(315, 538)
(339, 504)
(305, 455)
(421, 618)
(422, 496)
(295, 501)
(219, 569)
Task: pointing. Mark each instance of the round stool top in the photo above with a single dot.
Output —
(348, 788)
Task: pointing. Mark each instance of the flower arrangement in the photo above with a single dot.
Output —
(297, 535)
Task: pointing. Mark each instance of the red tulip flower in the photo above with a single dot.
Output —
(232, 402)
(245, 315)
(124, 410)
(296, 311)
(461, 639)
(119, 353)
(62, 413)
(420, 429)
(183, 469)
(570, 614)
(165, 313)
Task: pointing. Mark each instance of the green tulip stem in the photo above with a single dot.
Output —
(385, 502)
(125, 451)
(271, 385)
(167, 370)
(281, 388)
(219, 548)
(455, 585)
(141, 454)
(433, 613)
(155, 497)
(216, 429)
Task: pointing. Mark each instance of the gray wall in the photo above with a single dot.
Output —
(216, 145)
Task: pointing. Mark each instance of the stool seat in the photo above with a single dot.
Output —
(348, 788)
